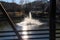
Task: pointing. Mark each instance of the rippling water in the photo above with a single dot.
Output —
(28, 24)
(37, 30)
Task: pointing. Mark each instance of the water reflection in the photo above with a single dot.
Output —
(4, 26)
(27, 24)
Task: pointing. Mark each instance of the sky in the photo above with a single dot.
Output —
(17, 1)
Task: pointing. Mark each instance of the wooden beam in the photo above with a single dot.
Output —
(52, 21)
(10, 21)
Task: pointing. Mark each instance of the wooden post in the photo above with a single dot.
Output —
(52, 21)
(10, 21)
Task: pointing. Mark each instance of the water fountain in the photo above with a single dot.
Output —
(28, 24)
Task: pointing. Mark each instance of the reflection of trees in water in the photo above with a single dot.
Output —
(45, 25)
(3, 24)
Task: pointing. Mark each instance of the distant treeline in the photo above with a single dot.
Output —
(11, 7)
(36, 5)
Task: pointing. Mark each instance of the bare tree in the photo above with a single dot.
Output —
(21, 2)
(13, 1)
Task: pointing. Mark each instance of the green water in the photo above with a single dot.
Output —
(4, 24)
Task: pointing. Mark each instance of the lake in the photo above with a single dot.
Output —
(34, 33)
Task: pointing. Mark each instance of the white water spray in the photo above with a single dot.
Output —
(28, 24)
(30, 15)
